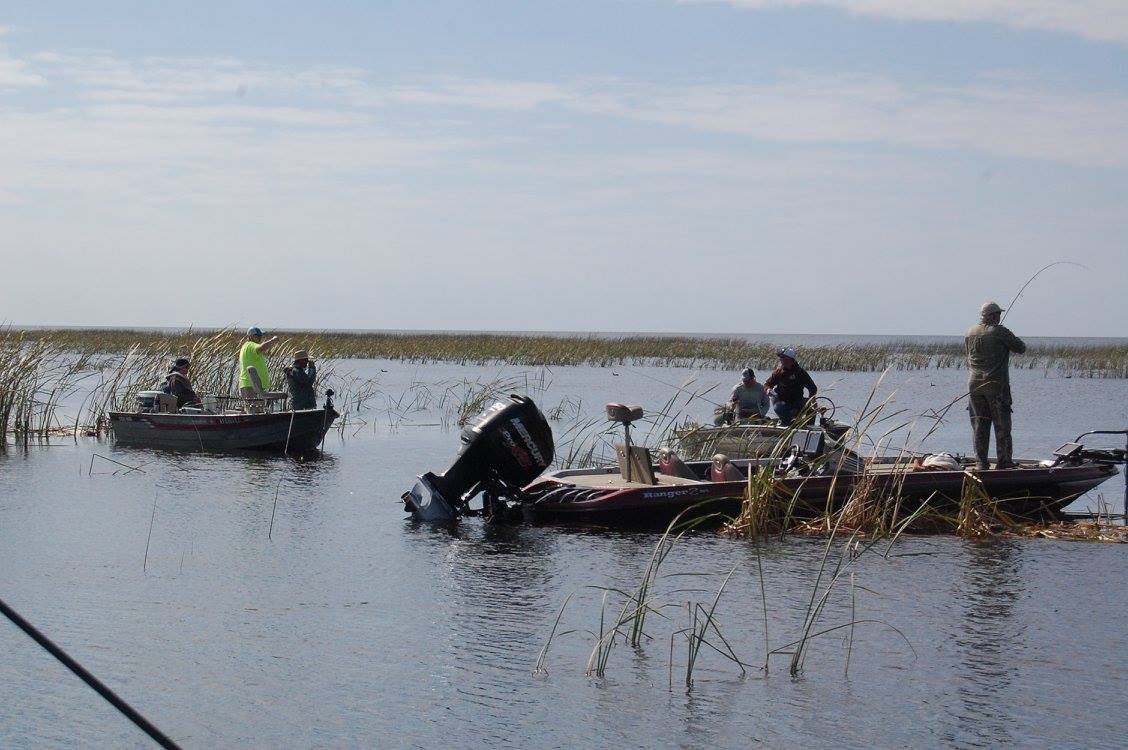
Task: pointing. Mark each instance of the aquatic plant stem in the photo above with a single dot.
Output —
(277, 487)
(152, 518)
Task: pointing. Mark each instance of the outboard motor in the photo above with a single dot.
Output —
(504, 448)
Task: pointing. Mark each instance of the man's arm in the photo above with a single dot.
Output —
(1012, 342)
(765, 402)
(810, 384)
(264, 347)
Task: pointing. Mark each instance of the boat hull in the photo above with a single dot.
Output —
(287, 431)
(1029, 492)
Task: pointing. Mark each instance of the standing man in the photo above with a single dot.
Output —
(299, 379)
(989, 345)
(254, 375)
(786, 385)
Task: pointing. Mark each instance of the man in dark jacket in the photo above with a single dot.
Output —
(989, 345)
(299, 379)
(178, 384)
(786, 384)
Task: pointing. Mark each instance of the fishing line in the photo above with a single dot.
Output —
(680, 388)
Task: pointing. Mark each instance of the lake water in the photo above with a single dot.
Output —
(345, 625)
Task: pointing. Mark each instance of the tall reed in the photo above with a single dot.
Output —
(1105, 360)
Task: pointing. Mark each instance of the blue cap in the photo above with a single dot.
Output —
(254, 331)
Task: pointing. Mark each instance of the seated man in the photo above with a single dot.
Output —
(299, 379)
(748, 399)
(786, 385)
(178, 384)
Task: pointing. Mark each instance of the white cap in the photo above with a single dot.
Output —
(788, 352)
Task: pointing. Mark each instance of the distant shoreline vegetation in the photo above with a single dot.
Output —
(600, 350)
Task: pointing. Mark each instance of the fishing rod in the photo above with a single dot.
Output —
(1036, 275)
(99, 687)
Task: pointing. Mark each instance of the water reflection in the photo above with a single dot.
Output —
(987, 636)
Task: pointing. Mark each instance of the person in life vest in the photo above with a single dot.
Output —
(786, 385)
(989, 345)
(254, 374)
(177, 383)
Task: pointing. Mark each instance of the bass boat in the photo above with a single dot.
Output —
(505, 450)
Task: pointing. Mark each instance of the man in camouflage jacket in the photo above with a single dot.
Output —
(989, 345)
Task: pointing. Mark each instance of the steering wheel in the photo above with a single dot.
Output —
(827, 411)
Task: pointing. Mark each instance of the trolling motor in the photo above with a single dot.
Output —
(503, 448)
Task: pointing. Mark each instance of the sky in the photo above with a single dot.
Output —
(743, 166)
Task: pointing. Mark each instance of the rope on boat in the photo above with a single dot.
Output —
(99, 687)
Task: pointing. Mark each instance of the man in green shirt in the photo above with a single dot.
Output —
(254, 374)
(989, 345)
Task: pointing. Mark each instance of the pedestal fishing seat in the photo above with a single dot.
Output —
(635, 464)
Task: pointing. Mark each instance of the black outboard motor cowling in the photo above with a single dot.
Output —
(503, 448)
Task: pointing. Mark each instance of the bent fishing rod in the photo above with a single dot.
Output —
(99, 687)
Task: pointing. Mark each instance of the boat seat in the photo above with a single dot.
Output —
(624, 414)
(635, 464)
(672, 465)
(166, 403)
(722, 470)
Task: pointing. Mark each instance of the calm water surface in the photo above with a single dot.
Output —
(345, 625)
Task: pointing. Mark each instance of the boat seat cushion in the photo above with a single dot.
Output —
(722, 470)
(672, 465)
(623, 413)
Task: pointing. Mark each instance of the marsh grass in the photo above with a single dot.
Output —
(36, 375)
(532, 350)
(629, 625)
(703, 631)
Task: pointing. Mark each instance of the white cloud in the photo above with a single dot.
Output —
(16, 74)
(1104, 20)
(1006, 119)
(216, 128)
(487, 94)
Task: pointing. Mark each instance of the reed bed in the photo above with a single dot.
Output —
(39, 372)
(36, 375)
(533, 350)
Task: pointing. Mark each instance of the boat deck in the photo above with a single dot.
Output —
(615, 480)
(611, 478)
